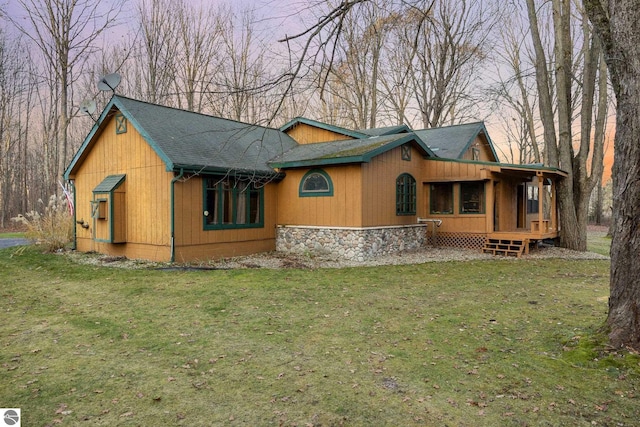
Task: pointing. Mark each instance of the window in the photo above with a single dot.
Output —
(441, 198)
(475, 153)
(532, 199)
(405, 195)
(472, 197)
(232, 203)
(121, 124)
(315, 183)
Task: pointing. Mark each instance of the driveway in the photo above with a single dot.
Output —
(7, 243)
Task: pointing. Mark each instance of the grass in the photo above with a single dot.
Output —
(12, 235)
(599, 243)
(478, 343)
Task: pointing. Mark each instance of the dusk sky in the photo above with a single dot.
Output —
(275, 19)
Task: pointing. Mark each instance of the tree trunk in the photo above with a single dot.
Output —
(574, 191)
(597, 217)
(620, 34)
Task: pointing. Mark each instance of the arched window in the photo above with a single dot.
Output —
(316, 183)
(405, 195)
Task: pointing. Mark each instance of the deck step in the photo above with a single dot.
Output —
(505, 247)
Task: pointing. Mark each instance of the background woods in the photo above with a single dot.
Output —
(539, 83)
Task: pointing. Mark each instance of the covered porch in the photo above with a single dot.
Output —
(482, 205)
(525, 208)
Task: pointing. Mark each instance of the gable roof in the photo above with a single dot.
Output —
(346, 151)
(192, 141)
(325, 126)
(388, 130)
(451, 142)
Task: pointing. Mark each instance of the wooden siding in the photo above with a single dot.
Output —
(146, 197)
(111, 225)
(222, 250)
(451, 171)
(193, 242)
(484, 150)
(379, 188)
(455, 173)
(364, 195)
(507, 203)
(459, 222)
(120, 215)
(343, 209)
(306, 134)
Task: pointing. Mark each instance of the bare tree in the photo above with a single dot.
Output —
(199, 31)
(516, 93)
(158, 50)
(239, 88)
(354, 78)
(442, 41)
(560, 147)
(16, 98)
(318, 38)
(449, 46)
(398, 94)
(616, 22)
(66, 34)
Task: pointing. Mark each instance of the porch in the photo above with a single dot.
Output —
(516, 242)
(525, 210)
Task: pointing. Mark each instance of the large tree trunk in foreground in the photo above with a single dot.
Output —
(618, 23)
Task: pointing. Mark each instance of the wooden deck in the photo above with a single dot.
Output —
(515, 242)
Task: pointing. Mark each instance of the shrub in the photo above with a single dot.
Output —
(53, 228)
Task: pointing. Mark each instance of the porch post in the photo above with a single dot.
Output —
(554, 207)
(540, 202)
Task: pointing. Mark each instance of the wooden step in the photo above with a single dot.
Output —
(505, 247)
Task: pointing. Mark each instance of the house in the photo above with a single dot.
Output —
(158, 183)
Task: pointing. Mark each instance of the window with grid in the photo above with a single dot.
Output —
(405, 195)
(316, 183)
(232, 203)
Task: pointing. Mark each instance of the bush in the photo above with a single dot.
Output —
(52, 229)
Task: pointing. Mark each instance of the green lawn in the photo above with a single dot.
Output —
(479, 343)
(599, 243)
(12, 235)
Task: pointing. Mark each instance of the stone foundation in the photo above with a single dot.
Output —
(351, 243)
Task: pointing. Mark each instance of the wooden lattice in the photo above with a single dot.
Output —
(459, 240)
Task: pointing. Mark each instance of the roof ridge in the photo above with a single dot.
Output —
(322, 125)
(479, 122)
(193, 112)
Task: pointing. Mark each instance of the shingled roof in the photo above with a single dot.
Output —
(346, 151)
(451, 142)
(388, 130)
(195, 142)
(326, 126)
